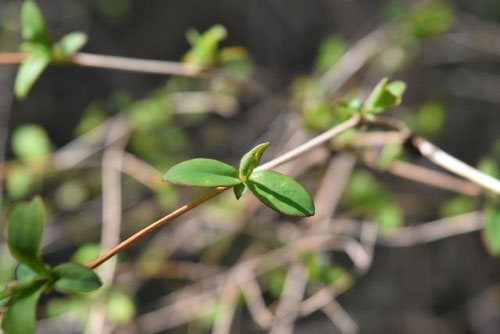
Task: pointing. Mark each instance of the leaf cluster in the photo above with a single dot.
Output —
(40, 49)
(277, 191)
(33, 277)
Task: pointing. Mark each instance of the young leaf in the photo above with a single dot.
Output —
(75, 278)
(239, 190)
(24, 232)
(203, 173)
(281, 193)
(28, 73)
(251, 159)
(491, 232)
(24, 273)
(71, 43)
(33, 24)
(20, 316)
(385, 95)
(30, 143)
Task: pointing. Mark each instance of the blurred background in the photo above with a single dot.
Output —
(385, 253)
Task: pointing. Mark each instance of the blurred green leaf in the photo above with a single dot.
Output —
(235, 59)
(30, 143)
(281, 193)
(121, 309)
(489, 166)
(491, 232)
(334, 274)
(457, 206)
(86, 253)
(330, 51)
(75, 278)
(251, 160)
(20, 316)
(71, 43)
(203, 173)
(388, 216)
(24, 231)
(431, 18)
(385, 95)
(29, 71)
(24, 273)
(203, 53)
(428, 120)
(18, 182)
(70, 195)
(33, 24)
(390, 153)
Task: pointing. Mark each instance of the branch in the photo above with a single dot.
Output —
(440, 157)
(443, 159)
(115, 63)
(309, 145)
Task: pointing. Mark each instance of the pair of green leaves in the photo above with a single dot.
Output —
(40, 49)
(275, 190)
(24, 233)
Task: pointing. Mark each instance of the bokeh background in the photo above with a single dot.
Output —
(448, 53)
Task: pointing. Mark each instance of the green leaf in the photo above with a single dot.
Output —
(71, 43)
(281, 193)
(240, 190)
(330, 51)
(203, 173)
(24, 232)
(457, 206)
(204, 49)
(251, 160)
(33, 24)
(491, 232)
(30, 143)
(121, 309)
(18, 182)
(20, 316)
(86, 253)
(24, 273)
(388, 216)
(29, 71)
(385, 95)
(75, 278)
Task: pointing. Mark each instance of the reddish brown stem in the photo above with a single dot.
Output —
(153, 227)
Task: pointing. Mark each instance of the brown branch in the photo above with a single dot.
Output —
(115, 63)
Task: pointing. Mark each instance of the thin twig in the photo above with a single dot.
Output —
(440, 157)
(316, 141)
(115, 63)
(111, 213)
(153, 227)
(288, 308)
(443, 159)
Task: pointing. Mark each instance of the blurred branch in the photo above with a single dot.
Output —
(291, 296)
(115, 63)
(432, 231)
(112, 161)
(440, 157)
(356, 57)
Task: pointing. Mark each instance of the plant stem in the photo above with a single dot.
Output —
(115, 63)
(443, 159)
(314, 142)
(153, 227)
(440, 157)
(307, 146)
